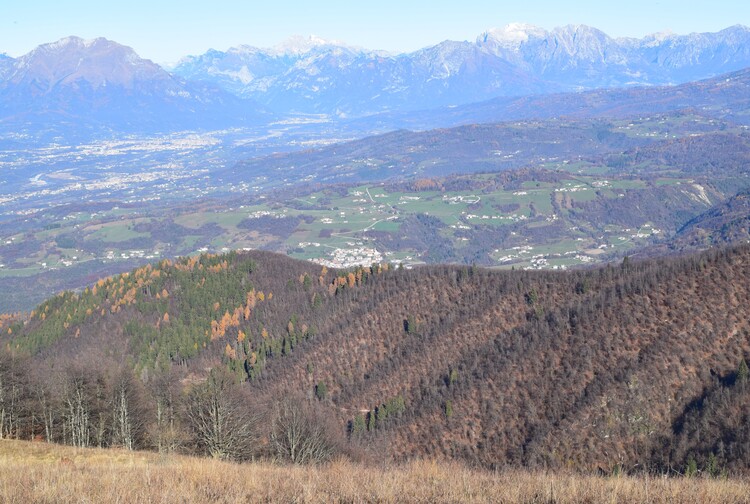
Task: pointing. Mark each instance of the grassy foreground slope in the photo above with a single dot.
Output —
(40, 472)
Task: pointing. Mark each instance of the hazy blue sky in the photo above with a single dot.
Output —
(165, 30)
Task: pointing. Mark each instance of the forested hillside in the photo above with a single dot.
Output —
(632, 366)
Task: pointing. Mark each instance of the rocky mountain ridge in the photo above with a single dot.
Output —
(324, 77)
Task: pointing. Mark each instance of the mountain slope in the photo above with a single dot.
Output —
(586, 369)
(87, 85)
(6, 64)
(728, 222)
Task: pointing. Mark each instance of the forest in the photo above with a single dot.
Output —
(633, 367)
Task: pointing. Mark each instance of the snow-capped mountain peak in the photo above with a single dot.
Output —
(512, 35)
(97, 61)
(299, 45)
(662, 35)
(66, 42)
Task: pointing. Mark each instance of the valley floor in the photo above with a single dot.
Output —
(38, 472)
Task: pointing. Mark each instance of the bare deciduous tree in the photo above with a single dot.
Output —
(47, 394)
(166, 434)
(128, 415)
(77, 406)
(219, 418)
(11, 397)
(300, 433)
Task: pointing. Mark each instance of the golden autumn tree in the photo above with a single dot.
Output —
(322, 280)
(216, 330)
(236, 317)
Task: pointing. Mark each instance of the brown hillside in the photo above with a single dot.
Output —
(584, 369)
(591, 369)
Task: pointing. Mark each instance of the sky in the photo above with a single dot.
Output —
(166, 30)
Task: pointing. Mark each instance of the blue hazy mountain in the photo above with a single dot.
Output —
(84, 88)
(97, 86)
(316, 76)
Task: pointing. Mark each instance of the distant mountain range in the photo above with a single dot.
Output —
(88, 87)
(316, 76)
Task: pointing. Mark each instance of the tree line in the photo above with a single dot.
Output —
(84, 405)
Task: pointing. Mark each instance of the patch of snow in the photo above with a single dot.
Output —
(511, 36)
(298, 45)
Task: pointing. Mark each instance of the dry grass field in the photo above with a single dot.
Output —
(38, 472)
